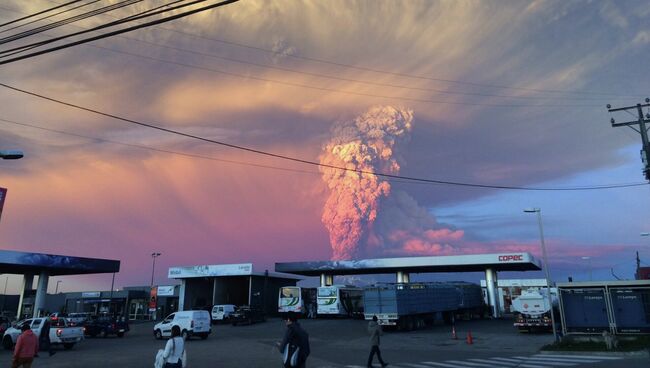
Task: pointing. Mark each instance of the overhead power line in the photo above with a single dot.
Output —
(120, 31)
(144, 147)
(376, 71)
(388, 72)
(39, 13)
(314, 163)
(62, 22)
(50, 16)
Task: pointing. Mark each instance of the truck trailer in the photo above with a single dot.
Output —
(409, 306)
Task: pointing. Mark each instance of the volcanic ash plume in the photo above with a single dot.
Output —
(367, 144)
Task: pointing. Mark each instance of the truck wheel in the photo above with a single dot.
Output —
(103, 333)
(7, 343)
(204, 336)
(158, 335)
(120, 334)
(68, 345)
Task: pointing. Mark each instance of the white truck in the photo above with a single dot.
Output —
(60, 332)
(533, 310)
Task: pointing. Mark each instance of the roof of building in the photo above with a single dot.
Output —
(462, 263)
(15, 262)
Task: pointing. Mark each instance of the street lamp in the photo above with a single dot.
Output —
(588, 259)
(11, 154)
(546, 270)
(56, 290)
(154, 255)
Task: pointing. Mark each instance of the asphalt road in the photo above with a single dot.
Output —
(335, 343)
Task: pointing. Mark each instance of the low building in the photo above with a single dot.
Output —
(238, 284)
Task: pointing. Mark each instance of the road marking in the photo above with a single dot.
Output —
(472, 364)
(414, 365)
(535, 361)
(601, 357)
(492, 362)
(509, 360)
(446, 365)
(567, 360)
(538, 360)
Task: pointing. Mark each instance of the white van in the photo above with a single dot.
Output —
(222, 312)
(191, 323)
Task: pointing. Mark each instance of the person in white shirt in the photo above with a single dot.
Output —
(174, 349)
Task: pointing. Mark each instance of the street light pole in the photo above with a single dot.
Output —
(590, 273)
(546, 270)
(4, 296)
(154, 255)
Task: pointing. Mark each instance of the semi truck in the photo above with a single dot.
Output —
(409, 306)
(533, 310)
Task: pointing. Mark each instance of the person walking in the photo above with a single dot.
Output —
(26, 348)
(294, 337)
(44, 339)
(174, 353)
(374, 329)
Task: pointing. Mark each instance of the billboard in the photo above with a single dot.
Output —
(241, 269)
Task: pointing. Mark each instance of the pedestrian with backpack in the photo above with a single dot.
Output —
(174, 353)
(295, 344)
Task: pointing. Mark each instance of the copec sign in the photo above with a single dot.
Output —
(511, 258)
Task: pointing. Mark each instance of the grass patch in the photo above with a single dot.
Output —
(596, 343)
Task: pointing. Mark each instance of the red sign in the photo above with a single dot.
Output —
(3, 194)
(511, 258)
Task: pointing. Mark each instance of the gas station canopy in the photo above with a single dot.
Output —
(463, 263)
(24, 263)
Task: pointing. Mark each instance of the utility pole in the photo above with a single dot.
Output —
(641, 122)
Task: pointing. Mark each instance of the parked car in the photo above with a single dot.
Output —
(247, 315)
(60, 332)
(222, 312)
(106, 325)
(57, 315)
(77, 319)
(191, 323)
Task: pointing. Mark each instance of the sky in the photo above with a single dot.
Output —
(496, 93)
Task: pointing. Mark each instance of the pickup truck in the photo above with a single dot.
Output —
(60, 332)
(104, 326)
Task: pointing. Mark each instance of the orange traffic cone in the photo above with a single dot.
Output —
(470, 340)
(453, 333)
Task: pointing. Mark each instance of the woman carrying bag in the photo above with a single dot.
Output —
(174, 353)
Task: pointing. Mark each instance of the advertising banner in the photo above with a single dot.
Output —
(3, 194)
(153, 299)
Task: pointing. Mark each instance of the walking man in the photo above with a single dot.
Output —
(26, 348)
(374, 329)
(44, 339)
(294, 338)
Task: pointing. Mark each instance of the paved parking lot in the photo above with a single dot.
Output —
(334, 343)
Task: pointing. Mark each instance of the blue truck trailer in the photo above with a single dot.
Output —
(413, 305)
